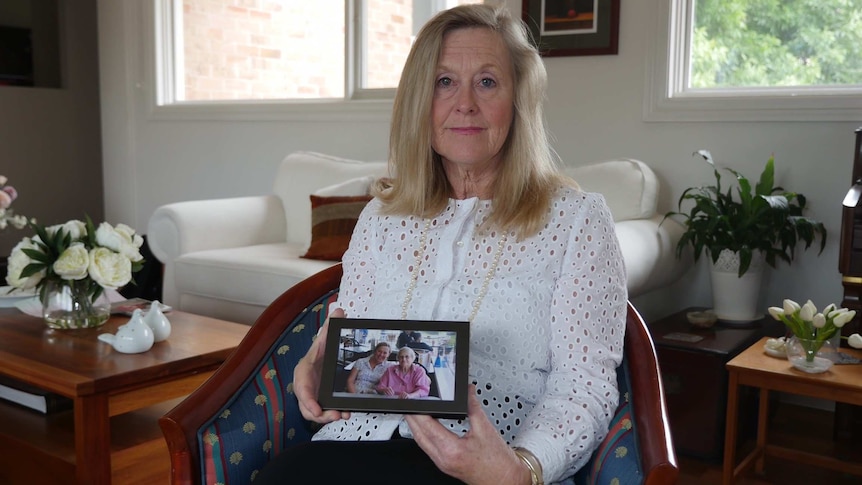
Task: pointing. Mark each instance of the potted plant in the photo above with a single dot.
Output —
(741, 229)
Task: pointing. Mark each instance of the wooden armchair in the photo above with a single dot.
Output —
(241, 417)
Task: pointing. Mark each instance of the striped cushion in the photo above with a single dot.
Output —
(332, 222)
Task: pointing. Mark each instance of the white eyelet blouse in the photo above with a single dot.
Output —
(549, 333)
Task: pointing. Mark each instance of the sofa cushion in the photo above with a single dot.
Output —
(250, 275)
(356, 186)
(302, 174)
(332, 222)
(630, 187)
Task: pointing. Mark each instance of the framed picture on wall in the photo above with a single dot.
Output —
(574, 27)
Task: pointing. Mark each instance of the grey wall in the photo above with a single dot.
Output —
(50, 139)
(594, 112)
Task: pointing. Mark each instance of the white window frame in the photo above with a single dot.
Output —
(357, 104)
(668, 99)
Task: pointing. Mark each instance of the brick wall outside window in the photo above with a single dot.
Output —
(287, 49)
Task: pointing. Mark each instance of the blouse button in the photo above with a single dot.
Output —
(460, 244)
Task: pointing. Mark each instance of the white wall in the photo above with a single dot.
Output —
(595, 113)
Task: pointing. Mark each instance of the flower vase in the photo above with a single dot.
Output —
(72, 304)
(809, 355)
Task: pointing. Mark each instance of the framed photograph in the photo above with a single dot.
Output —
(574, 27)
(441, 355)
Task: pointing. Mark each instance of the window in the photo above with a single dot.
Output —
(231, 51)
(750, 60)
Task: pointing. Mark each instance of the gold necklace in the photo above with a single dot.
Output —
(414, 275)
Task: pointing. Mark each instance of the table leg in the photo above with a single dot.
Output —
(92, 440)
(762, 427)
(730, 429)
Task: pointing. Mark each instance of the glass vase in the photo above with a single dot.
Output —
(809, 355)
(71, 305)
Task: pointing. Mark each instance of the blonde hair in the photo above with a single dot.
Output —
(528, 174)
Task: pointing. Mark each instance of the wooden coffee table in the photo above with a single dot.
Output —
(112, 434)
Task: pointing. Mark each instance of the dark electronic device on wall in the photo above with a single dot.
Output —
(16, 56)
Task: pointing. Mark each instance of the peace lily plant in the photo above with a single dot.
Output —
(763, 217)
(813, 328)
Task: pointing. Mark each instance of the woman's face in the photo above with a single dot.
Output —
(381, 354)
(473, 102)
(404, 360)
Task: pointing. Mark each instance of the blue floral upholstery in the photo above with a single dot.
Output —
(263, 417)
(617, 459)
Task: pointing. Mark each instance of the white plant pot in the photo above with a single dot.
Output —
(735, 299)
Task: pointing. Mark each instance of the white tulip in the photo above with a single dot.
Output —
(776, 312)
(843, 318)
(835, 313)
(855, 341)
(828, 309)
(790, 307)
(807, 312)
(819, 321)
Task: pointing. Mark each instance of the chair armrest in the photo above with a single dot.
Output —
(654, 436)
(182, 227)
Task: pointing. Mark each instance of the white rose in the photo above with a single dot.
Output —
(110, 238)
(17, 262)
(73, 263)
(131, 252)
(74, 228)
(127, 232)
(109, 269)
(129, 242)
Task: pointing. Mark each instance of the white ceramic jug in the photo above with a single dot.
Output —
(158, 322)
(132, 338)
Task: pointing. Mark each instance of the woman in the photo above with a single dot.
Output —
(480, 225)
(366, 372)
(406, 380)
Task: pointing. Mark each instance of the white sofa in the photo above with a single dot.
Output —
(229, 258)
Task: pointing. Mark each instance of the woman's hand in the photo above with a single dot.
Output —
(386, 391)
(479, 457)
(306, 379)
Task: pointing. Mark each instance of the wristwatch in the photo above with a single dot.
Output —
(533, 465)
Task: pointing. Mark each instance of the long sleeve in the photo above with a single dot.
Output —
(587, 329)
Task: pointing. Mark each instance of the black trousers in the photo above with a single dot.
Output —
(397, 460)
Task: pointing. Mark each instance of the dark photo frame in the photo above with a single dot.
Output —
(349, 339)
(573, 27)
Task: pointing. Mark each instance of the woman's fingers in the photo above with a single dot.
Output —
(480, 456)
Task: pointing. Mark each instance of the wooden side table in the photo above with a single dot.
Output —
(754, 368)
(692, 362)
